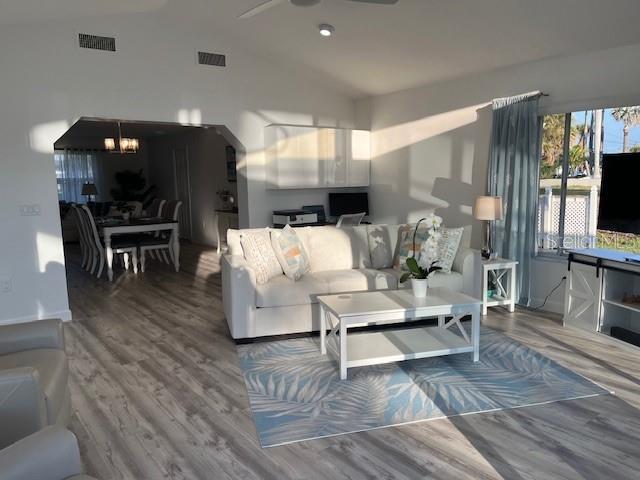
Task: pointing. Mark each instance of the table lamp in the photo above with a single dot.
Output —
(488, 209)
(89, 189)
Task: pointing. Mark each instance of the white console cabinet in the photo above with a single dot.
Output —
(582, 297)
(316, 157)
(603, 291)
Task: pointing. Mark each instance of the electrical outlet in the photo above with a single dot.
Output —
(5, 285)
(30, 210)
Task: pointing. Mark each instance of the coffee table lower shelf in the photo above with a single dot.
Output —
(406, 344)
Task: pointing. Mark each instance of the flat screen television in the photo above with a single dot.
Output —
(345, 203)
(619, 210)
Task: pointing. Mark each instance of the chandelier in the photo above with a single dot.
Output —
(124, 144)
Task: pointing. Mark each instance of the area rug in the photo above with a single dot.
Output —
(296, 394)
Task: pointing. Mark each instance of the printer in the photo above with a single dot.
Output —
(297, 217)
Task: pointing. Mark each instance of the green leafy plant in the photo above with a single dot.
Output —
(131, 187)
(417, 272)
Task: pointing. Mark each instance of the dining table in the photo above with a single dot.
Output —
(110, 226)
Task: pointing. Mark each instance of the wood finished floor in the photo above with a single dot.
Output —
(157, 392)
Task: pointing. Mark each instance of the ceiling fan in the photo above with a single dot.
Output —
(303, 3)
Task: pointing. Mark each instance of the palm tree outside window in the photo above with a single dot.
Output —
(571, 152)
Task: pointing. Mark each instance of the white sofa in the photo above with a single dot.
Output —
(342, 260)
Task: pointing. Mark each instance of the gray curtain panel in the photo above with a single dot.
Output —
(514, 167)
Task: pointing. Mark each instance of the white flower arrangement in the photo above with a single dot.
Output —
(429, 251)
(426, 263)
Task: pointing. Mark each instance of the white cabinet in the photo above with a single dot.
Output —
(313, 157)
(582, 297)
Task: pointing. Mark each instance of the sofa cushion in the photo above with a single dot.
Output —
(282, 291)
(358, 280)
(290, 252)
(260, 255)
(448, 247)
(53, 369)
(383, 241)
(332, 248)
(405, 247)
(453, 281)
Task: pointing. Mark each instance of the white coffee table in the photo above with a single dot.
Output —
(344, 311)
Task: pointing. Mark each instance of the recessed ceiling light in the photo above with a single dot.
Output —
(326, 30)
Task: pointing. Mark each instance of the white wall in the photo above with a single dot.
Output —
(431, 144)
(48, 83)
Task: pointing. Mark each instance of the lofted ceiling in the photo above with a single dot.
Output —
(378, 49)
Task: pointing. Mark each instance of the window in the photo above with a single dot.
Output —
(570, 168)
(74, 169)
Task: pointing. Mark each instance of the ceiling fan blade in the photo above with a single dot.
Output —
(379, 2)
(260, 8)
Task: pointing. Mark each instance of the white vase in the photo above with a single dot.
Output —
(419, 287)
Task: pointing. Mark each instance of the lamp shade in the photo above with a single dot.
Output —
(488, 208)
(89, 189)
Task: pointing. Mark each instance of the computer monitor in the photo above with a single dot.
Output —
(345, 203)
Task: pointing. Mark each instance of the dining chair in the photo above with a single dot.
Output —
(156, 207)
(91, 254)
(161, 245)
(127, 247)
(351, 219)
(84, 246)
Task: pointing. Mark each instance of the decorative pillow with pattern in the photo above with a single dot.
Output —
(260, 255)
(405, 244)
(448, 244)
(290, 252)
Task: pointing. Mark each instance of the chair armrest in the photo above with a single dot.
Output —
(22, 404)
(468, 262)
(49, 454)
(239, 295)
(28, 336)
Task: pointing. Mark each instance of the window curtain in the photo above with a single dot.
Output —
(514, 167)
(74, 169)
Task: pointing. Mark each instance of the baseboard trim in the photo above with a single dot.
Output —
(64, 315)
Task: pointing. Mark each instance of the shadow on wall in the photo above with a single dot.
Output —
(436, 164)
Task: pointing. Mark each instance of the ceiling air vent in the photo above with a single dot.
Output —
(214, 59)
(96, 42)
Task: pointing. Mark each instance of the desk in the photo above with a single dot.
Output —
(224, 220)
(119, 227)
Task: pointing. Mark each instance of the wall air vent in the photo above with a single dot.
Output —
(96, 42)
(213, 59)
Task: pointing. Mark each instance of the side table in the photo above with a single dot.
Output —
(495, 270)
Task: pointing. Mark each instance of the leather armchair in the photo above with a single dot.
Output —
(49, 454)
(34, 390)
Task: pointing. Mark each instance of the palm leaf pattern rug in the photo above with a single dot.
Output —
(296, 394)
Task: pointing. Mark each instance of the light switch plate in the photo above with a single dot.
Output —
(5, 285)
(30, 210)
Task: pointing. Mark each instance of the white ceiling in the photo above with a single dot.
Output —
(378, 49)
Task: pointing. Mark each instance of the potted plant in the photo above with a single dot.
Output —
(419, 276)
(419, 272)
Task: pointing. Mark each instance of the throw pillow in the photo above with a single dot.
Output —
(448, 244)
(290, 252)
(260, 255)
(405, 244)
